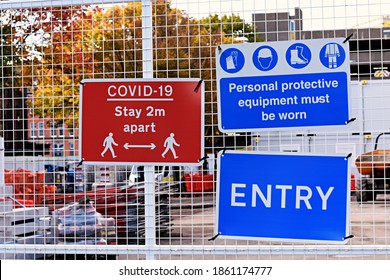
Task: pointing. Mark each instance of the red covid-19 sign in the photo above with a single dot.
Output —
(142, 121)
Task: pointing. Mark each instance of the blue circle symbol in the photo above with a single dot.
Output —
(232, 60)
(265, 58)
(298, 55)
(332, 55)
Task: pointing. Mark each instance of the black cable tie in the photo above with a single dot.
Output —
(223, 151)
(349, 237)
(80, 163)
(215, 237)
(347, 39)
(348, 156)
(203, 158)
(198, 85)
(219, 49)
(351, 120)
(82, 83)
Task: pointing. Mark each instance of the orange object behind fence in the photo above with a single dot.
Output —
(29, 186)
(199, 182)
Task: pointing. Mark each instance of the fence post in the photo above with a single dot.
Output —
(147, 66)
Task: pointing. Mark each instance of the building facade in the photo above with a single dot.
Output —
(62, 141)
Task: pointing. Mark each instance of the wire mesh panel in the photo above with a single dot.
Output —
(54, 206)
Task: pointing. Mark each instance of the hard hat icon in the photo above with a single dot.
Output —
(264, 53)
(265, 58)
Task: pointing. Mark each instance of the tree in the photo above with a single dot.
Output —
(10, 61)
(116, 40)
(231, 26)
(6, 50)
(65, 61)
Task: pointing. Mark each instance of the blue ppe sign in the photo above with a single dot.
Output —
(288, 84)
(284, 197)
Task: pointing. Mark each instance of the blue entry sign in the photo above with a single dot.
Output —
(287, 84)
(283, 197)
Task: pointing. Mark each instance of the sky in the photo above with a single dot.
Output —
(317, 14)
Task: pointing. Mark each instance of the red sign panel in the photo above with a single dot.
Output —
(143, 121)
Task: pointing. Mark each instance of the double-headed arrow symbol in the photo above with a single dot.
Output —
(151, 146)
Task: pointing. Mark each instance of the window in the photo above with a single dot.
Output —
(41, 129)
(53, 129)
(33, 129)
(71, 149)
(61, 132)
(58, 150)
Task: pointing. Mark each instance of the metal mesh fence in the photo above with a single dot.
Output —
(53, 206)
